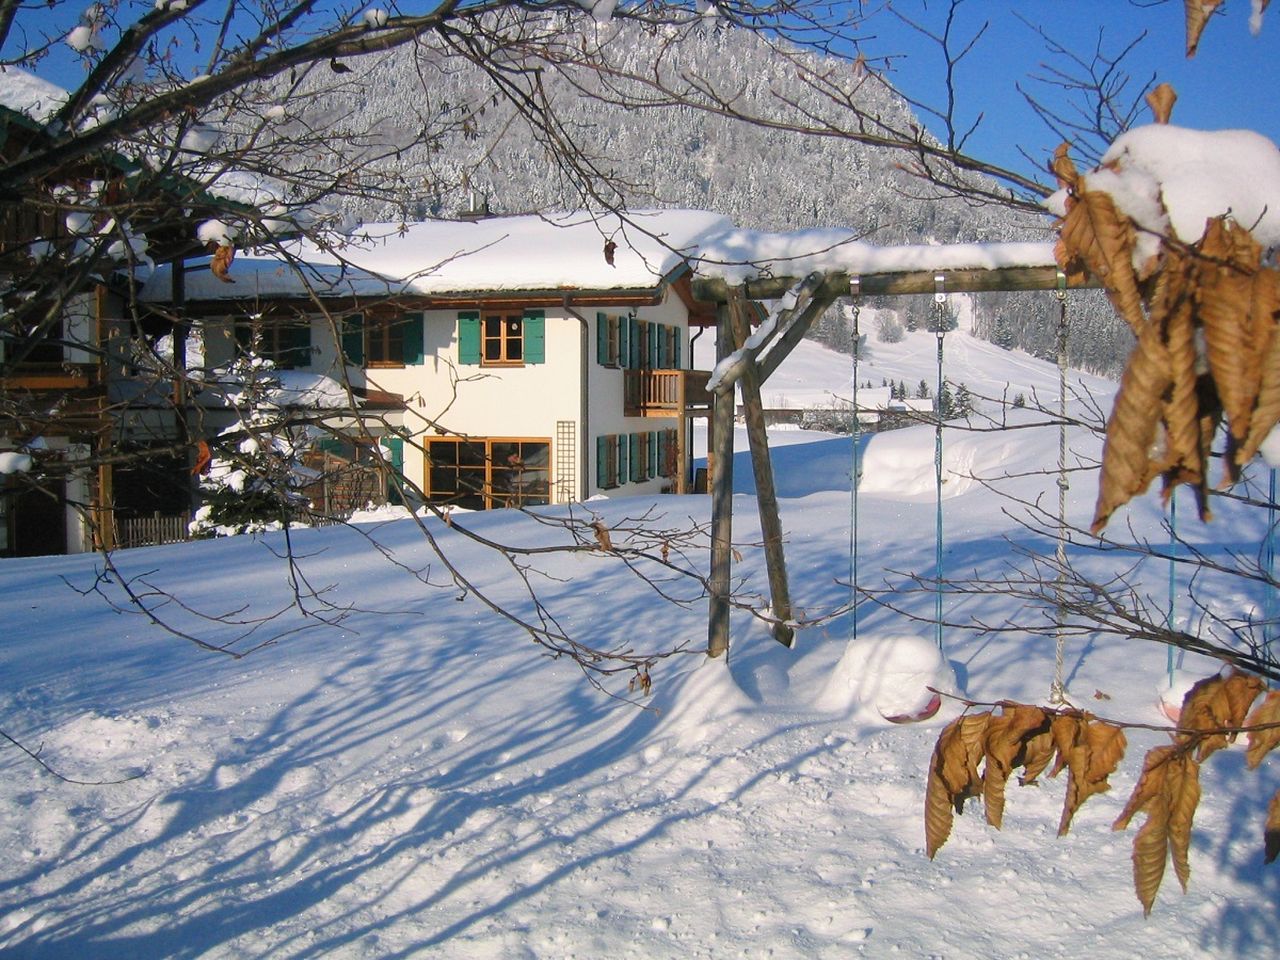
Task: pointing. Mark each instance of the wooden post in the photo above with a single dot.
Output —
(766, 492)
(721, 460)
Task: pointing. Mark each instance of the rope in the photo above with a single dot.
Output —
(939, 304)
(1058, 689)
(855, 469)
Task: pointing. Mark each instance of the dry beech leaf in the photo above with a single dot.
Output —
(953, 776)
(1224, 297)
(1215, 703)
(1161, 101)
(1198, 13)
(1266, 306)
(1037, 753)
(1262, 742)
(221, 263)
(1093, 755)
(1132, 428)
(1003, 748)
(603, 540)
(1184, 796)
(1151, 845)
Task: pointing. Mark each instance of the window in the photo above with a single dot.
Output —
(610, 342)
(286, 343)
(502, 339)
(383, 338)
(480, 473)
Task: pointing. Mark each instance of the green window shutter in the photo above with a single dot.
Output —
(469, 337)
(637, 468)
(395, 456)
(535, 336)
(353, 339)
(413, 352)
(332, 445)
(655, 337)
(677, 343)
(624, 343)
(663, 359)
(662, 451)
(653, 453)
(622, 458)
(633, 335)
(602, 463)
(602, 339)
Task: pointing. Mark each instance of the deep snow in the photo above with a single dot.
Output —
(416, 780)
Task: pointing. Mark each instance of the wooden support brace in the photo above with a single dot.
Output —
(721, 459)
(766, 492)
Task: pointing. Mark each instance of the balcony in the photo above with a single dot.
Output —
(39, 377)
(666, 393)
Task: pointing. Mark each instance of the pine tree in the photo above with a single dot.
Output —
(254, 481)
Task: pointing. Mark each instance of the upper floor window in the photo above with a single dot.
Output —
(286, 343)
(502, 339)
(383, 338)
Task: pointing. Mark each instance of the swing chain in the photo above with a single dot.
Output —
(1058, 689)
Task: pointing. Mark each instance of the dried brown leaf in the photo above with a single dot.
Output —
(1127, 467)
(1150, 852)
(1154, 767)
(1092, 756)
(221, 263)
(1151, 845)
(603, 540)
(1096, 233)
(1161, 101)
(1198, 13)
(1262, 742)
(1184, 796)
(1265, 311)
(953, 776)
(1003, 748)
(1216, 703)
(1038, 751)
(1230, 260)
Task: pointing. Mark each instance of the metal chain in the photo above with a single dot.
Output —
(1058, 689)
(855, 467)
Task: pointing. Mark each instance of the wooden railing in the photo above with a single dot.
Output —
(665, 393)
(151, 531)
(50, 376)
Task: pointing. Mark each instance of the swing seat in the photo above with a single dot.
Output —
(924, 713)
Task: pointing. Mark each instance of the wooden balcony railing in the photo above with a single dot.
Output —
(49, 376)
(666, 393)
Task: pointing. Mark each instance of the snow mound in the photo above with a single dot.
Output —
(887, 676)
(700, 703)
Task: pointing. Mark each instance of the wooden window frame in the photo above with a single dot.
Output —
(505, 339)
(489, 470)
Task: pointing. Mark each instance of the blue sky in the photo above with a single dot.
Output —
(1230, 83)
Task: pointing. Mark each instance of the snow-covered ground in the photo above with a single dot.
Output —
(415, 780)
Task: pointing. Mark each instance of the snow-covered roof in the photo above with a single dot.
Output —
(565, 251)
(25, 93)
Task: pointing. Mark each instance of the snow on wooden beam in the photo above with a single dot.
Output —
(836, 284)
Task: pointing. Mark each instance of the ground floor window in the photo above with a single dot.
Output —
(481, 473)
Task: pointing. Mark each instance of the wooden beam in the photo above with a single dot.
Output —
(905, 282)
(766, 492)
(721, 459)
